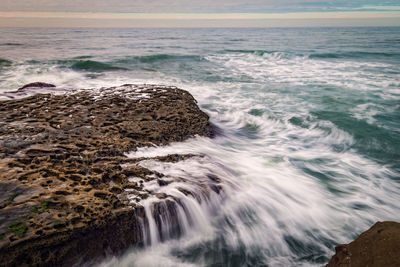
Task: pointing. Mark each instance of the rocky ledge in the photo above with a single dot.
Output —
(377, 247)
(68, 192)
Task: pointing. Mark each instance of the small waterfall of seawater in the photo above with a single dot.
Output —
(184, 204)
(169, 219)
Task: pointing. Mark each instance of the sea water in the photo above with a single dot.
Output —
(308, 152)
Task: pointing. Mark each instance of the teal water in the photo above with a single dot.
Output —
(310, 122)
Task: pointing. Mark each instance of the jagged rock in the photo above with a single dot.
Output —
(60, 161)
(379, 246)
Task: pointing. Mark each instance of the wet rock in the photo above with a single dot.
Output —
(378, 246)
(161, 195)
(63, 198)
(116, 190)
(213, 177)
(101, 194)
(37, 85)
(175, 157)
(162, 182)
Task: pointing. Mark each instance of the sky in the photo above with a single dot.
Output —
(198, 13)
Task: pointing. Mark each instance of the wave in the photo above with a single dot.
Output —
(159, 58)
(83, 63)
(352, 54)
(371, 139)
(11, 44)
(167, 38)
(328, 55)
(238, 40)
(83, 57)
(5, 62)
(245, 51)
(269, 54)
(91, 65)
(80, 63)
(86, 62)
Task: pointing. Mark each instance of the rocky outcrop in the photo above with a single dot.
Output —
(379, 246)
(65, 190)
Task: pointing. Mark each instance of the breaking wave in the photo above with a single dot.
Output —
(90, 65)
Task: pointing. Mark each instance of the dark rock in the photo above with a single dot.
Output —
(161, 195)
(77, 246)
(101, 194)
(213, 177)
(162, 182)
(379, 246)
(37, 85)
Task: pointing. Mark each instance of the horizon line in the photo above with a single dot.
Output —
(204, 16)
(199, 20)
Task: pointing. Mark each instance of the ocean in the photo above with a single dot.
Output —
(308, 149)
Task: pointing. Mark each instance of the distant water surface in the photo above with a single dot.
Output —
(310, 148)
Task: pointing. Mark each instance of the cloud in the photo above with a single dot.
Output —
(146, 20)
(192, 6)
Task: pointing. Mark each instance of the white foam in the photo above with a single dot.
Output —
(300, 70)
(278, 199)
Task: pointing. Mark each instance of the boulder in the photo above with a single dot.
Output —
(377, 247)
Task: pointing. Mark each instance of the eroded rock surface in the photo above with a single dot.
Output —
(379, 246)
(66, 189)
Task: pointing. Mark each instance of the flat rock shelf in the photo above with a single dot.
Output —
(68, 192)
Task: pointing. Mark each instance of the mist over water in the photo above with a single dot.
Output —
(308, 154)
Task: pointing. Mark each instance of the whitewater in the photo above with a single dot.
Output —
(308, 132)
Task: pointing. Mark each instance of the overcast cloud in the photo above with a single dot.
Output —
(195, 6)
(198, 13)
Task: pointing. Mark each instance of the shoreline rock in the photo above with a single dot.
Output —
(36, 85)
(378, 246)
(65, 187)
